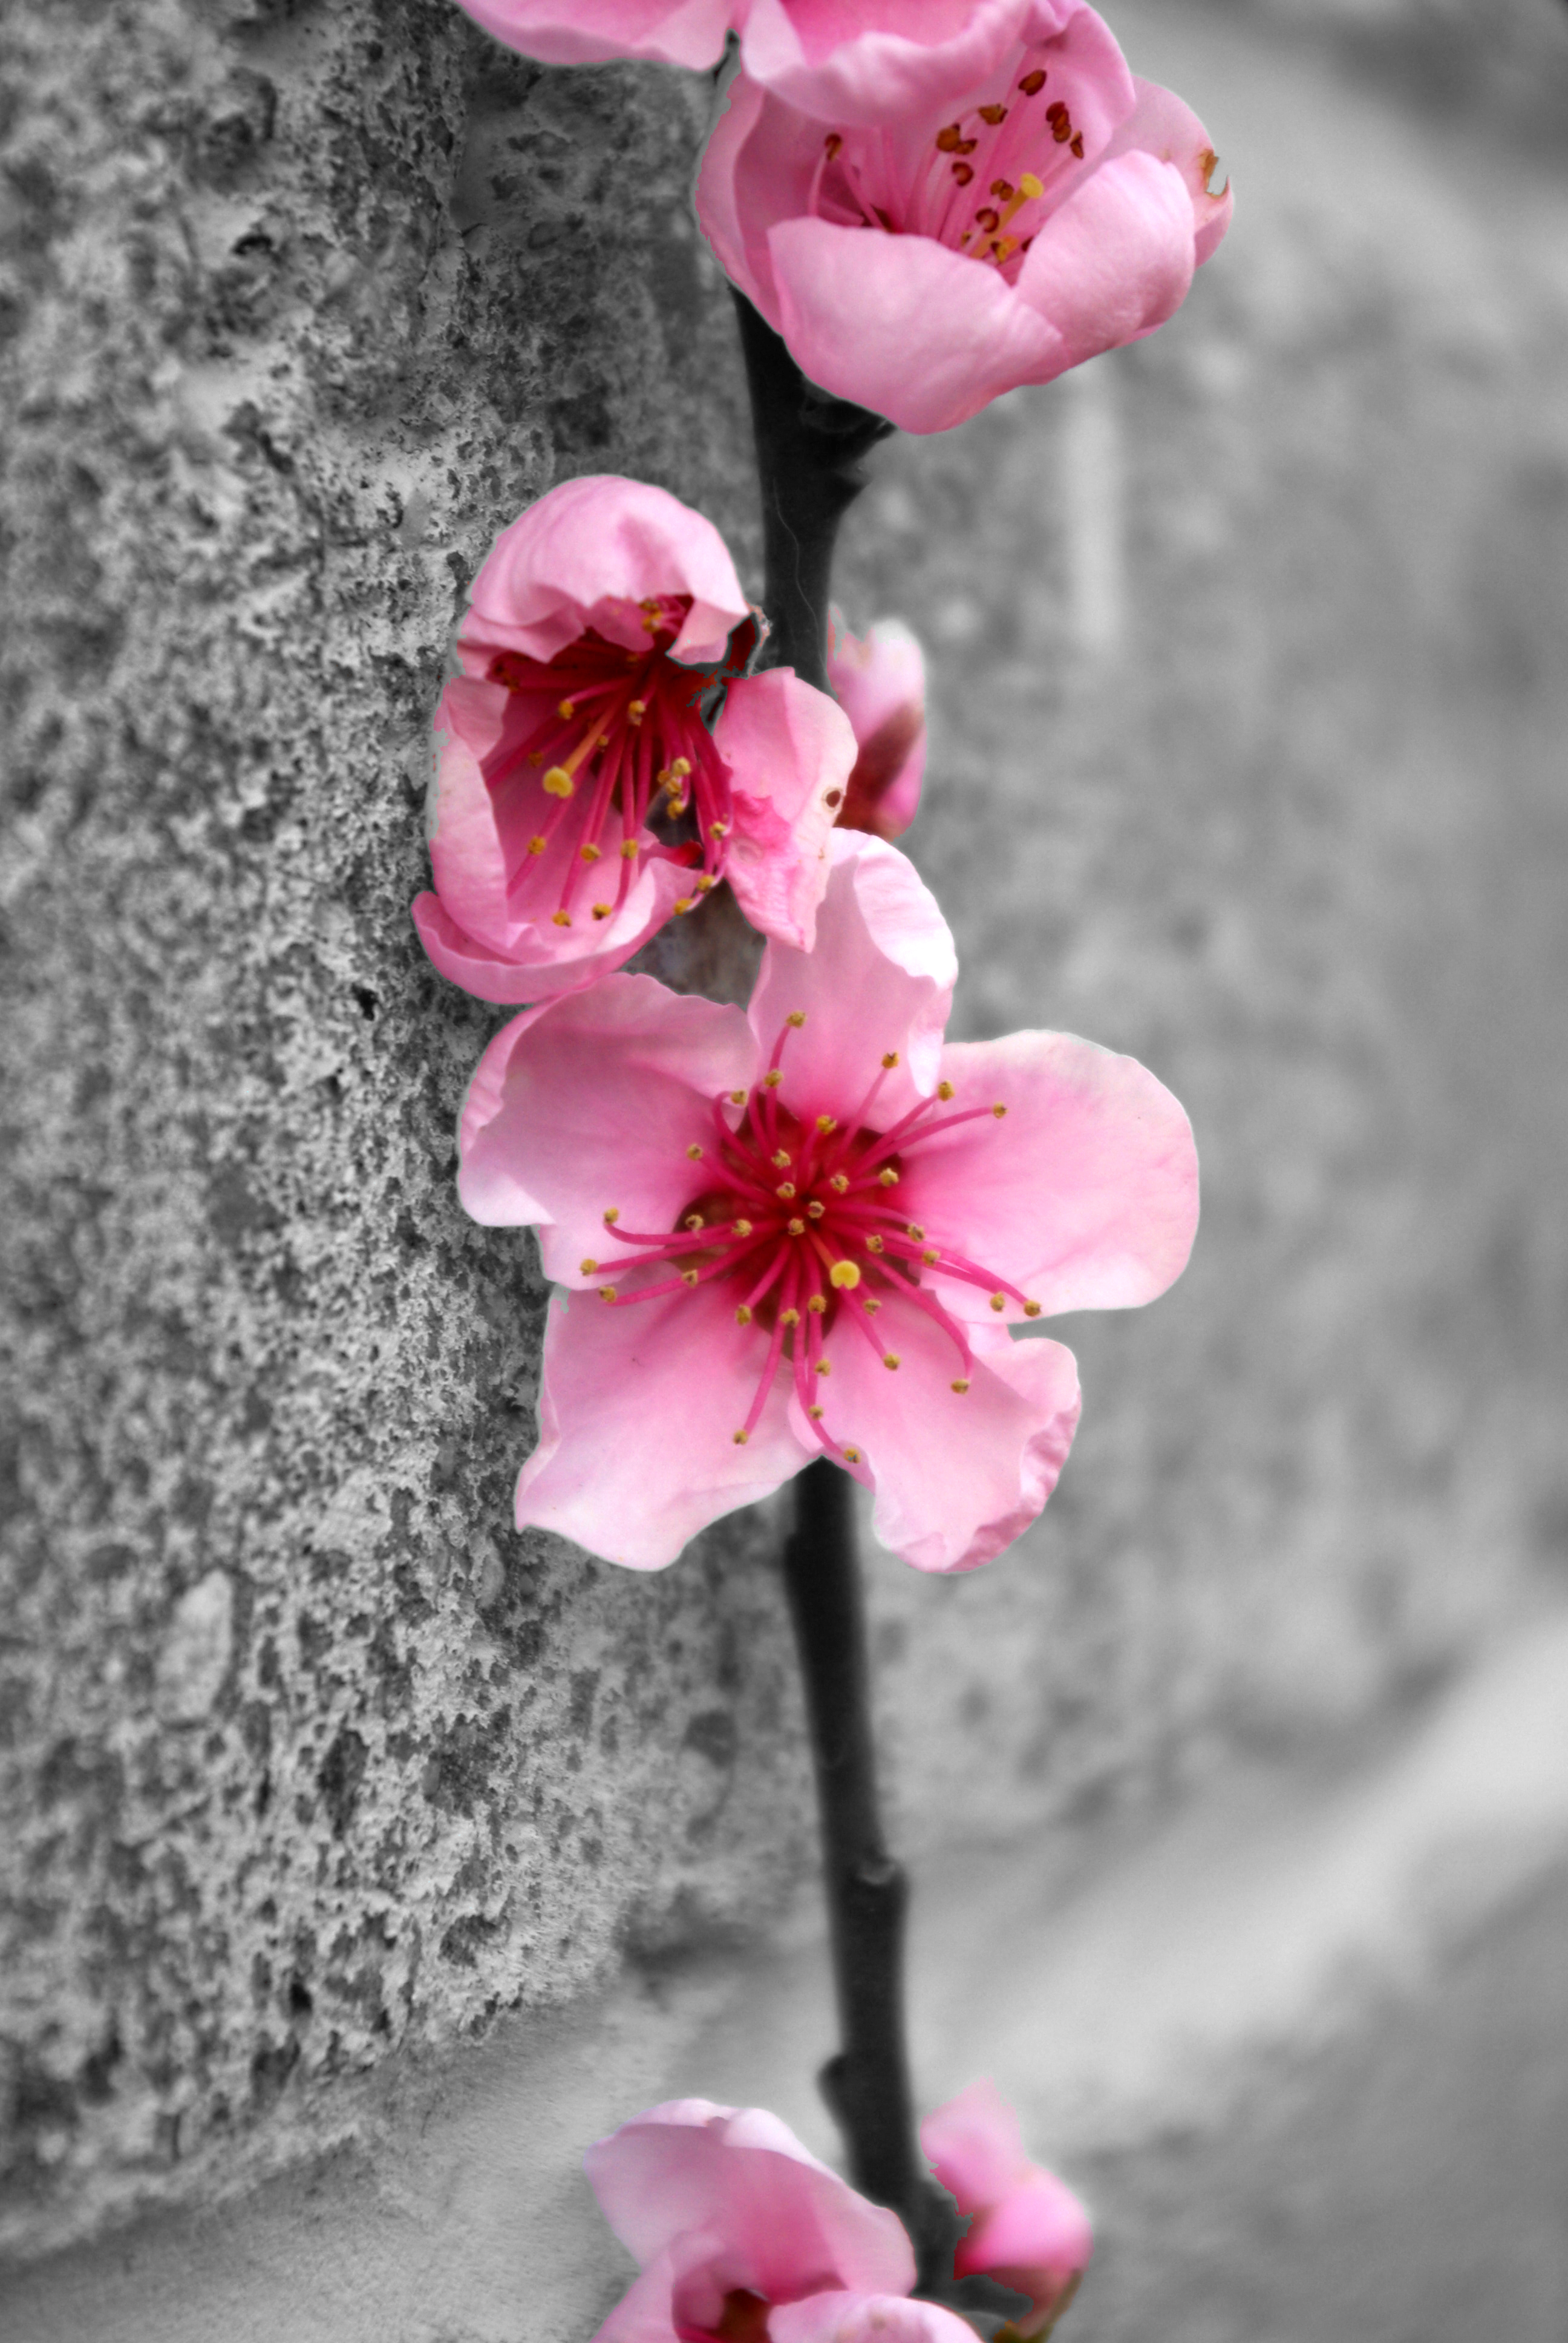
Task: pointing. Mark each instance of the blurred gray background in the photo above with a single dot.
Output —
(362, 1860)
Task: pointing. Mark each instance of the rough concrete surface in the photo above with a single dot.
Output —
(1247, 692)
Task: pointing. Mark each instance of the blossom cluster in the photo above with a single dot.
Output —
(742, 2236)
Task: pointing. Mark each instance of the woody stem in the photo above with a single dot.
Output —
(808, 454)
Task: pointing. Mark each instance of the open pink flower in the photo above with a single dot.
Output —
(742, 2236)
(850, 60)
(806, 1230)
(1027, 2229)
(995, 232)
(879, 682)
(580, 798)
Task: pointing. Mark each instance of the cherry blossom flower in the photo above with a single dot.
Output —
(850, 60)
(741, 2237)
(806, 1230)
(1028, 2229)
(580, 797)
(879, 682)
(996, 233)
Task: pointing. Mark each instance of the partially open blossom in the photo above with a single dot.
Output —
(996, 232)
(580, 797)
(1027, 2229)
(853, 60)
(806, 1230)
(741, 2237)
(879, 682)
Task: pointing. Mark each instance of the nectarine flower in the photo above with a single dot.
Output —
(1027, 2229)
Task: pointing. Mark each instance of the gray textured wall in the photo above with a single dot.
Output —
(1246, 647)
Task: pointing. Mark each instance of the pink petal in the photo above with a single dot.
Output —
(672, 32)
(881, 682)
(1085, 1196)
(879, 978)
(876, 60)
(637, 1411)
(974, 2146)
(466, 851)
(587, 554)
(756, 168)
(589, 1105)
(646, 2313)
(903, 326)
(543, 960)
(1115, 260)
(790, 752)
(866, 2319)
(740, 2175)
(958, 1476)
(1164, 127)
(1038, 2239)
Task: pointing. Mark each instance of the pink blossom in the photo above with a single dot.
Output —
(879, 683)
(996, 233)
(806, 1230)
(580, 799)
(845, 60)
(1028, 2229)
(742, 2236)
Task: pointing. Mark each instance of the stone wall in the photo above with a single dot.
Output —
(1246, 700)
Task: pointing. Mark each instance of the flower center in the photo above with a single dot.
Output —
(799, 1217)
(600, 744)
(982, 184)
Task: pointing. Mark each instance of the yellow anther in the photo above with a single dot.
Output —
(796, 1018)
(705, 885)
(736, 1098)
(873, 1244)
(602, 910)
(781, 1161)
(815, 1413)
(637, 710)
(743, 1316)
(870, 1304)
(839, 1184)
(689, 1276)
(743, 1228)
(890, 1359)
(557, 782)
(824, 1366)
(628, 850)
(695, 1153)
(998, 1112)
(889, 1060)
(851, 1455)
(561, 919)
(565, 710)
(590, 854)
(944, 1090)
(887, 1177)
(931, 1256)
(962, 1383)
(612, 1217)
(742, 1437)
(694, 1220)
(993, 114)
(771, 1080)
(797, 1228)
(588, 1267)
(1028, 187)
(913, 1229)
(999, 1302)
(845, 1274)
(680, 767)
(682, 903)
(817, 1305)
(789, 1317)
(719, 830)
(607, 1293)
(814, 1210)
(1032, 1309)
(784, 1191)
(538, 845)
